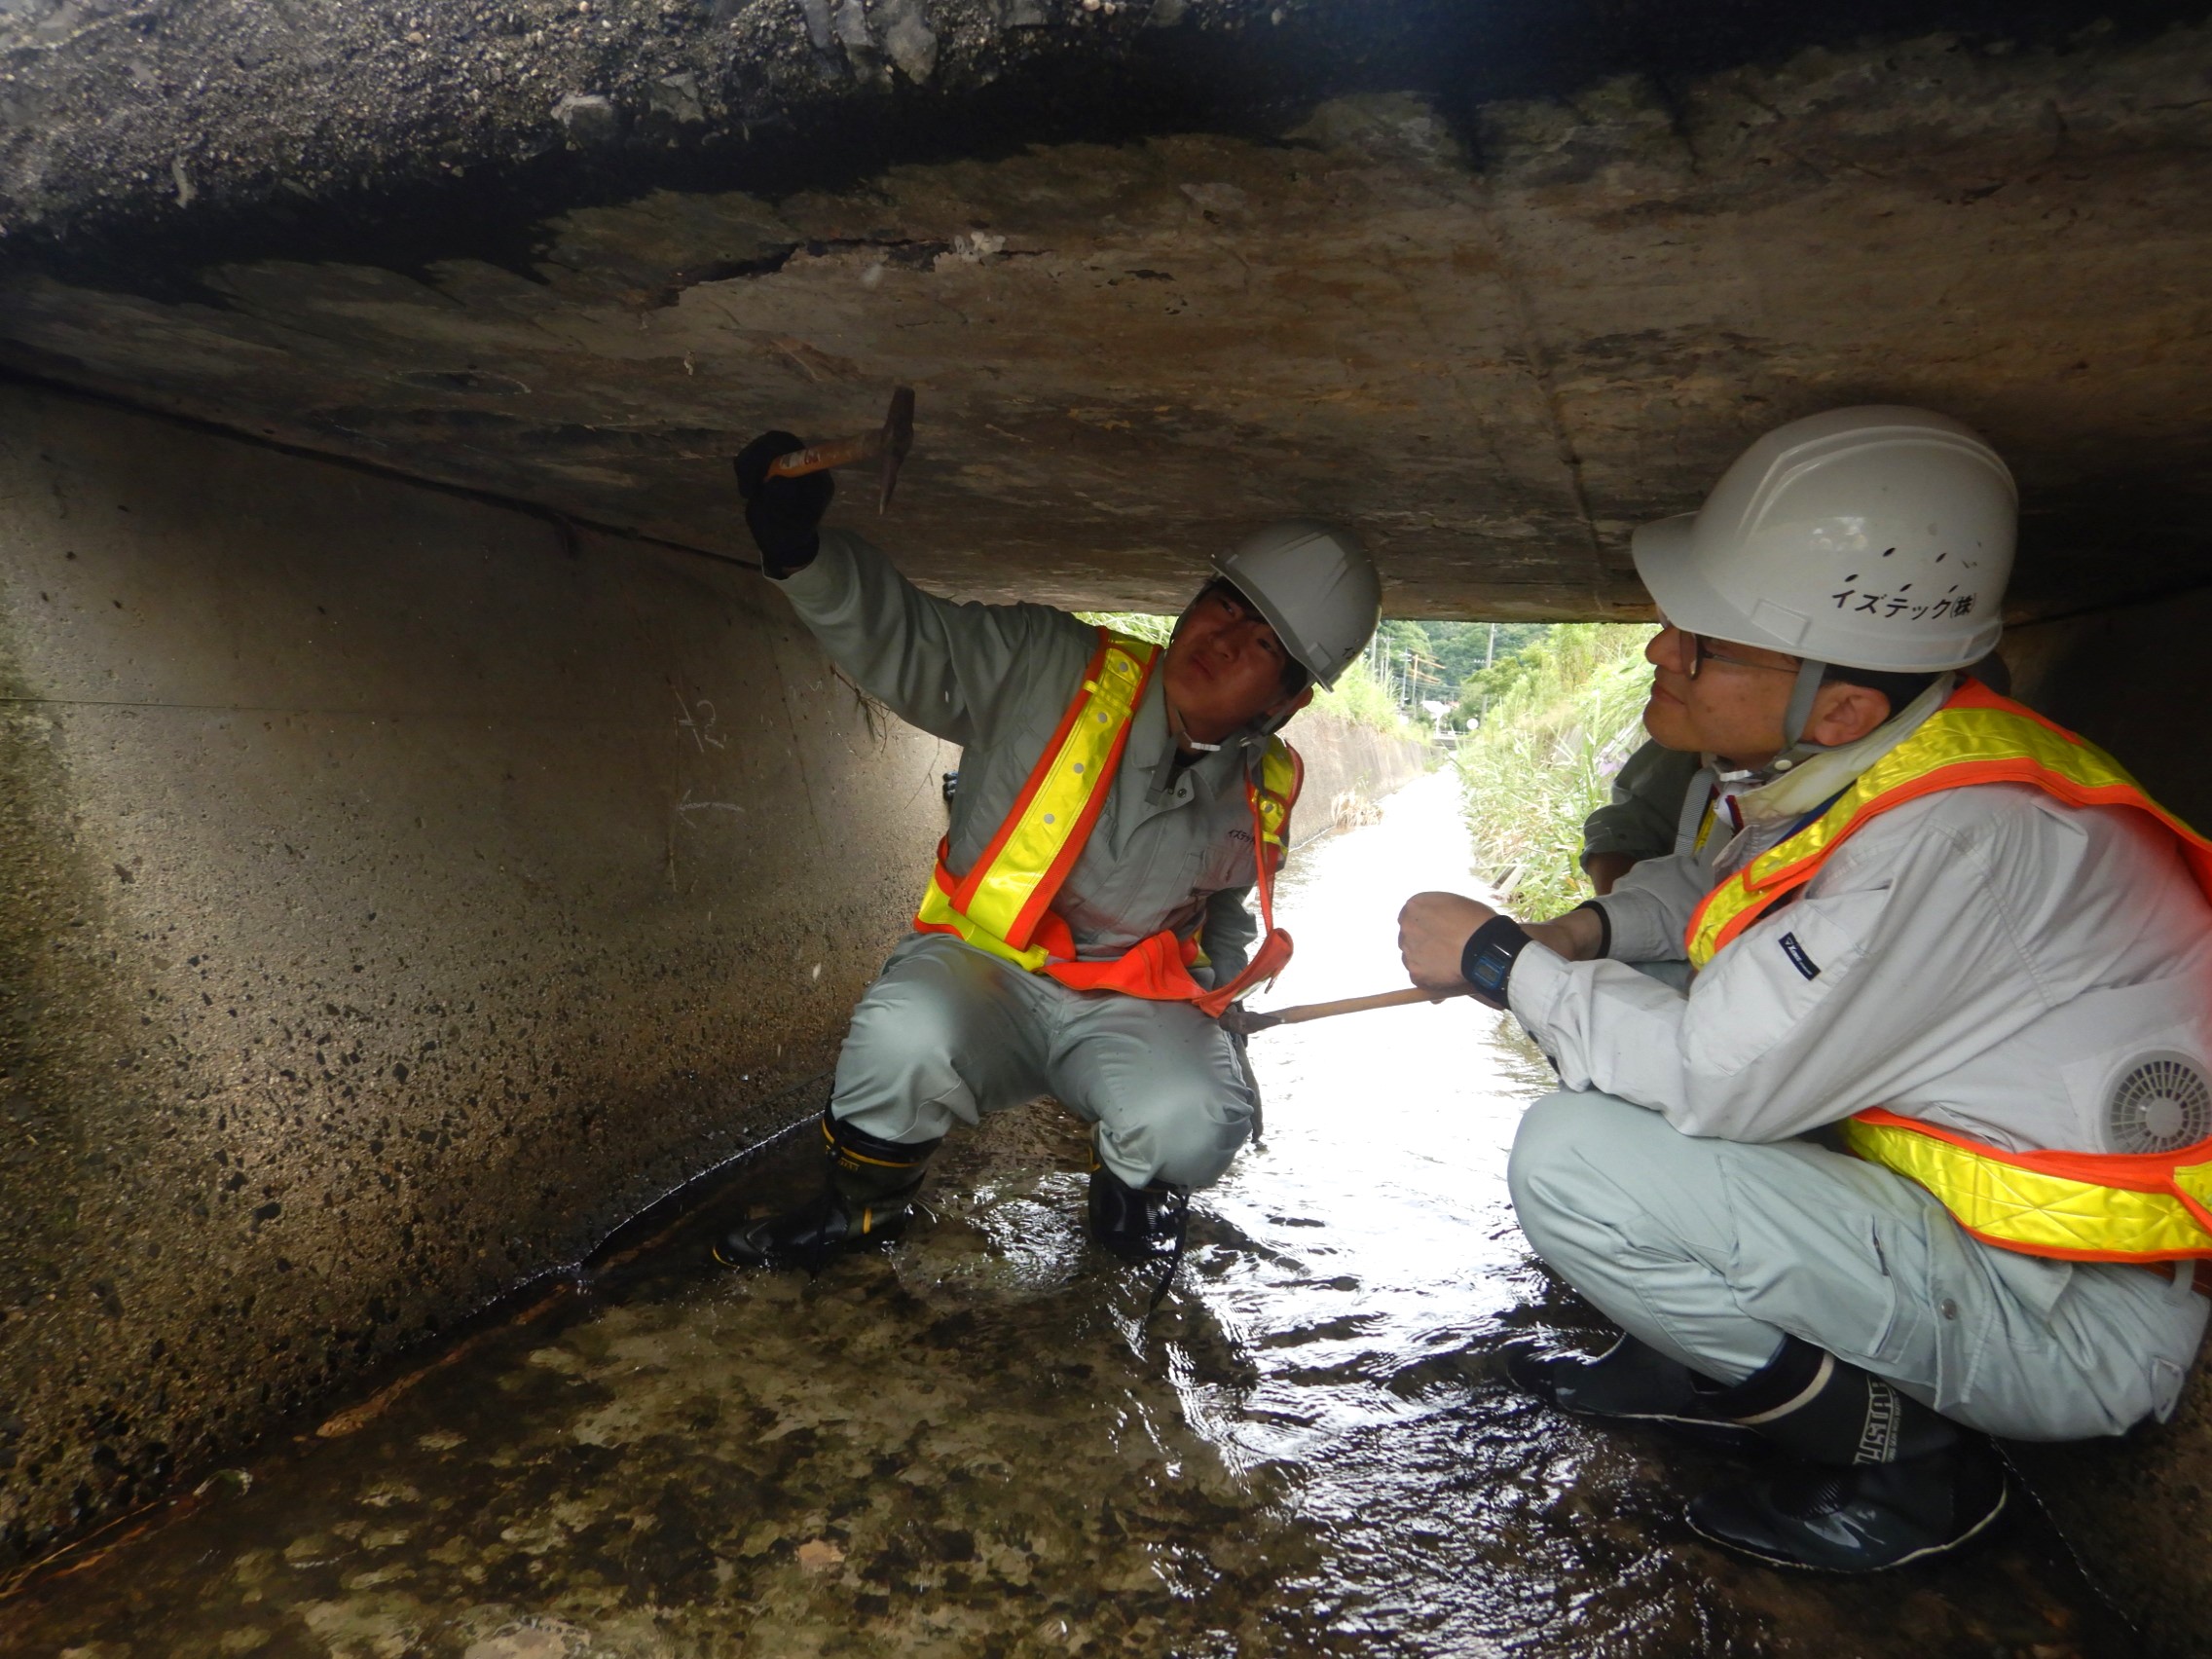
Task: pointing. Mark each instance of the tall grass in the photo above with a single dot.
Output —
(1545, 757)
(1137, 624)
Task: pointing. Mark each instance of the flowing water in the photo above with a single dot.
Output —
(976, 1444)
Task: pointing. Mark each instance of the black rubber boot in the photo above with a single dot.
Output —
(1135, 1223)
(865, 1202)
(1140, 1224)
(1882, 1479)
(1631, 1381)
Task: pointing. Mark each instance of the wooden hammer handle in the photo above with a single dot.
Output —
(839, 452)
(1303, 1012)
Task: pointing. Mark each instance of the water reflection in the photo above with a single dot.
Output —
(976, 1445)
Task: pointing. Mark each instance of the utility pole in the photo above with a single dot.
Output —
(1490, 649)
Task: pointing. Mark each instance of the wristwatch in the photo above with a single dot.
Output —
(1486, 960)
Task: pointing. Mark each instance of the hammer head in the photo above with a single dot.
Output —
(898, 439)
(1243, 1022)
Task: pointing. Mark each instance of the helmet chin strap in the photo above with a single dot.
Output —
(1794, 748)
(1269, 725)
(1183, 735)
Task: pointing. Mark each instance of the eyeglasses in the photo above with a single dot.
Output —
(1702, 653)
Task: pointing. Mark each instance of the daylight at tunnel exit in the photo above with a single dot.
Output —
(1199, 828)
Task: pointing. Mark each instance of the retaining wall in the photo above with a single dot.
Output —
(1347, 761)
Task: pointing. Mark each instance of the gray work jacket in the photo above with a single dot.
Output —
(1986, 959)
(1643, 819)
(1167, 850)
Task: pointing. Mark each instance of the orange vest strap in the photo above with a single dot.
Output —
(1037, 938)
(1942, 754)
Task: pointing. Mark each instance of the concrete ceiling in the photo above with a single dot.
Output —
(1491, 291)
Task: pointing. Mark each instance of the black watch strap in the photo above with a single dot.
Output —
(1486, 960)
(1605, 926)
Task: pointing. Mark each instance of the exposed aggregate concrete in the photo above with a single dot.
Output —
(1493, 336)
(234, 103)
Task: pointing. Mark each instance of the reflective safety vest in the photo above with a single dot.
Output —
(1003, 904)
(2091, 1206)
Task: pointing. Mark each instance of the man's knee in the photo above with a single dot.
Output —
(1551, 1150)
(1186, 1137)
(928, 1039)
(907, 1019)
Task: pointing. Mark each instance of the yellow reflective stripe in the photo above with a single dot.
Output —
(937, 911)
(2029, 1209)
(2195, 1179)
(1279, 776)
(1949, 737)
(1054, 811)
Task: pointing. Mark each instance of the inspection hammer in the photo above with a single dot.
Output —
(1243, 1021)
(887, 445)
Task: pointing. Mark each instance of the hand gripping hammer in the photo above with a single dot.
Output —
(887, 446)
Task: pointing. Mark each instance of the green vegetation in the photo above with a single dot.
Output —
(1431, 662)
(1518, 655)
(1358, 696)
(1544, 756)
(1137, 624)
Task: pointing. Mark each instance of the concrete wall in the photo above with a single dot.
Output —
(2137, 679)
(1342, 758)
(395, 893)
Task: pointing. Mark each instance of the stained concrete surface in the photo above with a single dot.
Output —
(2135, 678)
(1493, 334)
(975, 1445)
(394, 896)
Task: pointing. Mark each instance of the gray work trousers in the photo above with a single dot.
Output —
(1711, 1250)
(947, 1033)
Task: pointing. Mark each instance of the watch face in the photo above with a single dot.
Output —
(1492, 965)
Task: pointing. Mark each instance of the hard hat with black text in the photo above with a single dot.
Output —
(1876, 537)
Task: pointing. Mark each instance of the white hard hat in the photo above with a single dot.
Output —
(1316, 587)
(1876, 537)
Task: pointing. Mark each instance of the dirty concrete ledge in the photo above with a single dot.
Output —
(363, 122)
(1495, 284)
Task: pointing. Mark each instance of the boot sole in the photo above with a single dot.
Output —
(1711, 1433)
(878, 1239)
(1699, 1431)
(1996, 1510)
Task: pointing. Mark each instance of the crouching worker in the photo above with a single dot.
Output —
(1924, 1152)
(1085, 923)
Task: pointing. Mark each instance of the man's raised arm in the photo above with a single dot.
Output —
(941, 666)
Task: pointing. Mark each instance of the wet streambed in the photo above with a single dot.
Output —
(974, 1445)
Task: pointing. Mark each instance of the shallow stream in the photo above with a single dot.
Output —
(976, 1444)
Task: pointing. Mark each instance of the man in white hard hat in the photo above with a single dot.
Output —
(1085, 924)
(1925, 1148)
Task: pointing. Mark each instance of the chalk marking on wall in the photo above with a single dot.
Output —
(687, 804)
(702, 730)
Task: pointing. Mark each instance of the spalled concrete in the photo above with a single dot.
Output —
(396, 895)
(1495, 335)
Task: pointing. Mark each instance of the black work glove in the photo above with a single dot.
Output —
(783, 514)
